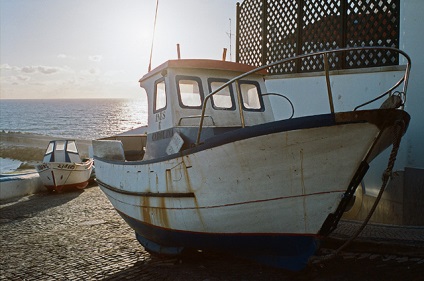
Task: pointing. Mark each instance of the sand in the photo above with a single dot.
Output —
(29, 148)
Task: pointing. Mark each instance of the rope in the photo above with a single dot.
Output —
(153, 37)
(398, 130)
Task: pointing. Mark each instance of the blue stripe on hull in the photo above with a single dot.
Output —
(283, 251)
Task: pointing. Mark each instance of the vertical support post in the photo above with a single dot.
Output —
(240, 105)
(298, 62)
(178, 51)
(264, 31)
(343, 32)
(238, 10)
(224, 54)
(327, 79)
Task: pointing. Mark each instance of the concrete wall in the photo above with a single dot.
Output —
(412, 42)
(397, 206)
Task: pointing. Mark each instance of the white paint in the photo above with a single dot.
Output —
(175, 144)
(61, 174)
(266, 184)
(18, 185)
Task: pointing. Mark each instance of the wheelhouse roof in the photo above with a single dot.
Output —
(203, 64)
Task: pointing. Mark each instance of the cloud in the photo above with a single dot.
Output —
(23, 78)
(90, 71)
(29, 69)
(65, 57)
(41, 69)
(6, 66)
(48, 69)
(96, 58)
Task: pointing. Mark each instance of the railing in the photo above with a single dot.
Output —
(325, 57)
(194, 117)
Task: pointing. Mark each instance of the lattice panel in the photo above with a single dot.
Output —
(250, 33)
(271, 30)
(372, 23)
(281, 40)
(321, 31)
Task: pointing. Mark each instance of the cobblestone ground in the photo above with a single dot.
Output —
(78, 236)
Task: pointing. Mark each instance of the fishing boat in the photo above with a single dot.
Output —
(214, 170)
(62, 167)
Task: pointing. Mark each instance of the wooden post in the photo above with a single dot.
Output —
(224, 54)
(178, 51)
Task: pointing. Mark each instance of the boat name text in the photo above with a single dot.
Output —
(66, 166)
(42, 167)
(166, 134)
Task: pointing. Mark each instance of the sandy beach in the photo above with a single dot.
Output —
(29, 148)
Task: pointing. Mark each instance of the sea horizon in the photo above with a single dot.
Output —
(73, 118)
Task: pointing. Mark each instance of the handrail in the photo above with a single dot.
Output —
(404, 79)
(194, 116)
(283, 96)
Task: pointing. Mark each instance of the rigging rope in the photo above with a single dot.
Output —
(398, 132)
(153, 37)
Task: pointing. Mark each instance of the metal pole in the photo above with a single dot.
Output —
(240, 104)
(327, 79)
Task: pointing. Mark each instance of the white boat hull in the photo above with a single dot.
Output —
(58, 176)
(227, 182)
(257, 196)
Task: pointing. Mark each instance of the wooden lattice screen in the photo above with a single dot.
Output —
(271, 30)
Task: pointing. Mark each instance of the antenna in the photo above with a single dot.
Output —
(230, 35)
(153, 37)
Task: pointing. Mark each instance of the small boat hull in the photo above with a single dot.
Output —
(59, 176)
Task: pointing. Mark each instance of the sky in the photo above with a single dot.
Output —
(100, 48)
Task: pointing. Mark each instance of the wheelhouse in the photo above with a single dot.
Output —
(62, 151)
(177, 90)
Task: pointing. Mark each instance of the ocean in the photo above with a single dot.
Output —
(83, 119)
(86, 119)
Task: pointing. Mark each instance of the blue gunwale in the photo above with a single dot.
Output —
(315, 121)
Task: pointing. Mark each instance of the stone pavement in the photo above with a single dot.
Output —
(79, 236)
(401, 237)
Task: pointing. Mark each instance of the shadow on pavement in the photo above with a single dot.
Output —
(28, 206)
(205, 266)
(222, 267)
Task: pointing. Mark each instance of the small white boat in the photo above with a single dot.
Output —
(214, 170)
(62, 167)
(19, 183)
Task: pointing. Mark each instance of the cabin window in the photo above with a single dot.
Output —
(60, 145)
(251, 96)
(224, 99)
(72, 147)
(160, 96)
(49, 148)
(190, 93)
